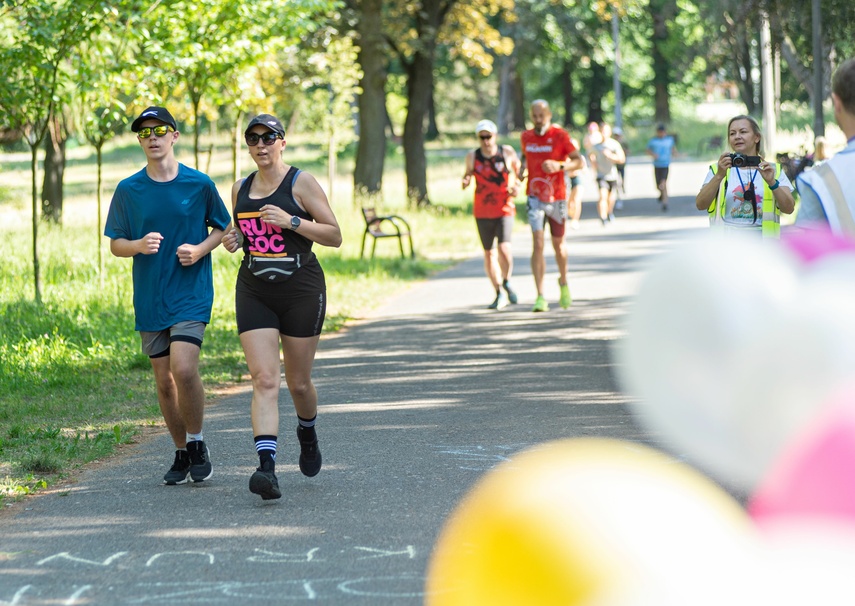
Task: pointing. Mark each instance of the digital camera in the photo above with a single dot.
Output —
(740, 160)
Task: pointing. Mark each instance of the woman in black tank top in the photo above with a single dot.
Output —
(280, 295)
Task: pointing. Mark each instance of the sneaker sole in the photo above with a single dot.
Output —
(205, 473)
(310, 472)
(262, 486)
(208, 475)
(176, 483)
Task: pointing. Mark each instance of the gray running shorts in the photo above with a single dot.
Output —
(539, 211)
(156, 344)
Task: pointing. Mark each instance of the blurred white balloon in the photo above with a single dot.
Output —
(732, 344)
(794, 564)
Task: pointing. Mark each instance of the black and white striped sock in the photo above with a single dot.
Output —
(265, 446)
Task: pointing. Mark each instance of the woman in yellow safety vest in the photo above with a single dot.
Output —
(744, 191)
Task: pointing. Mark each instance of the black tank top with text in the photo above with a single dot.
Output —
(278, 250)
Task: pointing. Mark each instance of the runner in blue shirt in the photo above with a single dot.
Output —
(168, 218)
(662, 147)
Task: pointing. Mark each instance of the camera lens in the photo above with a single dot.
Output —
(739, 160)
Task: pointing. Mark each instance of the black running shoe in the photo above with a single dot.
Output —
(264, 483)
(200, 461)
(180, 469)
(310, 454)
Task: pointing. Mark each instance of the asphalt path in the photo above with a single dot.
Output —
(418, 401)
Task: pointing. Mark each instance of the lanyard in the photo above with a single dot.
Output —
(752, 189)
(754, 176)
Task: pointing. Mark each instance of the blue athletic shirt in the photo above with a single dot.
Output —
(662, 147)
(182, 211)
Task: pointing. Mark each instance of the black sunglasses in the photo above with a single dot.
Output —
(268, 138)
(145, 133)
(485, 137)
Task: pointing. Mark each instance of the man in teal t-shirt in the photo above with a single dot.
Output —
(168, 218)
(662, 147)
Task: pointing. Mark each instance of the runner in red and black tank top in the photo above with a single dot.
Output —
(495, 168)
(492, 198)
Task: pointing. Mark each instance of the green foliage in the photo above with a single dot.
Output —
(326, 73)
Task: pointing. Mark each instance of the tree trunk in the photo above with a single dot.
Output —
(505, 117)
(746, 87)
(600, 82)
(432, 128)
(34, 169)
(371, 148)
(419, 86)
(519, 108)
(195, 100)
(389, 124)
(54, 169)
(237, 140)
(99, 159)
(659, 12)
(512, 110)
(567, 90)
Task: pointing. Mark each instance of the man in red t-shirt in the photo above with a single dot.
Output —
(547, 152)
(495, 169)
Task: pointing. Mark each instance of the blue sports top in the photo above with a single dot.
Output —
(182, 211)
(662, 147)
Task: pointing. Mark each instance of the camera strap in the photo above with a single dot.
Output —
(751, 181)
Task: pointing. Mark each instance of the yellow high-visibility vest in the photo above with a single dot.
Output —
(771, 224)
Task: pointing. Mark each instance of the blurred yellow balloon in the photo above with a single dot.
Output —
(581, 522)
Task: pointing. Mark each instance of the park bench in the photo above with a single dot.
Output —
(387, 226)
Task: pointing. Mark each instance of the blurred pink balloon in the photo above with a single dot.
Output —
(813, 244)
(813, 477)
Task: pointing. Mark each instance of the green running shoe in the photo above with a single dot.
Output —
(540, 304)
(565, 301)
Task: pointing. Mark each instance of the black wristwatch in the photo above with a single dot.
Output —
(295, 222)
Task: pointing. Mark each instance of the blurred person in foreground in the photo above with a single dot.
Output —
(546, 153)
(495, 169)
(828, 191)
(743, 191)
(168, 218)
(280, 211)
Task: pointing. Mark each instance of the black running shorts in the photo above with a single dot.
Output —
(296, 307)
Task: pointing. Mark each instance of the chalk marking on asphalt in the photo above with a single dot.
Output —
(67, 556)
(72, 599)
(156, 556)
(18, 595)
(274, 556)
(260, 555)
(345, 587)
(470, 456)
(302, 589)
(385, 553)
